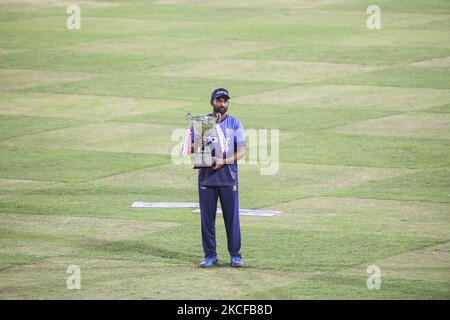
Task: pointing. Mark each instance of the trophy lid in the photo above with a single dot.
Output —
(208, 118)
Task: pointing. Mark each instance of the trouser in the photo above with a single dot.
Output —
(229, 200)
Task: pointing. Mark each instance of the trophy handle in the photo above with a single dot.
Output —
(218, 117)
(188, 117)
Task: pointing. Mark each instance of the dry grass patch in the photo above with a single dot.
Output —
(418, 125)
(278, 3)
(369, 216)
(104, 136)
(398, 38)
(164, 176)
(14, 185)
(41, 4)
(427, 264)
(19, 79)
(169, 46)
(124, 279)
(89, 107)
(438, 62)
(283, 71)
(352, 97)
(89, 227)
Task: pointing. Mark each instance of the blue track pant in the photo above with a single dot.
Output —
(229, 200)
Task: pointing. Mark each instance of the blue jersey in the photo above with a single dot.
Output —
(235, 138)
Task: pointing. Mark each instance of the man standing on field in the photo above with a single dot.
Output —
(221, 182)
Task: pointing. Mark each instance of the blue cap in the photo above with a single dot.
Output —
(220, 92)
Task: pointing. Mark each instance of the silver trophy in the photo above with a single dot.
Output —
(201, 128)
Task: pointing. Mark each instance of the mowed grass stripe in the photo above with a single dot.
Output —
(158, 87)
(367, 55)
(399, 99)
(15, 126)
(88, 62)
(413, 6)
(69, 165)
(376, 151)
(89, 108)
(137, 138)
(424, 185)
(11, 79)
(416, 77)
(375, 192)
(245, 69)
(414, 124)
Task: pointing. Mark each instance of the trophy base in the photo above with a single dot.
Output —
(201, 166)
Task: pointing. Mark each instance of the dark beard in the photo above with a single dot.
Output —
(220, 110)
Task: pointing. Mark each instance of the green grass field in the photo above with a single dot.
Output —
(86, 118)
